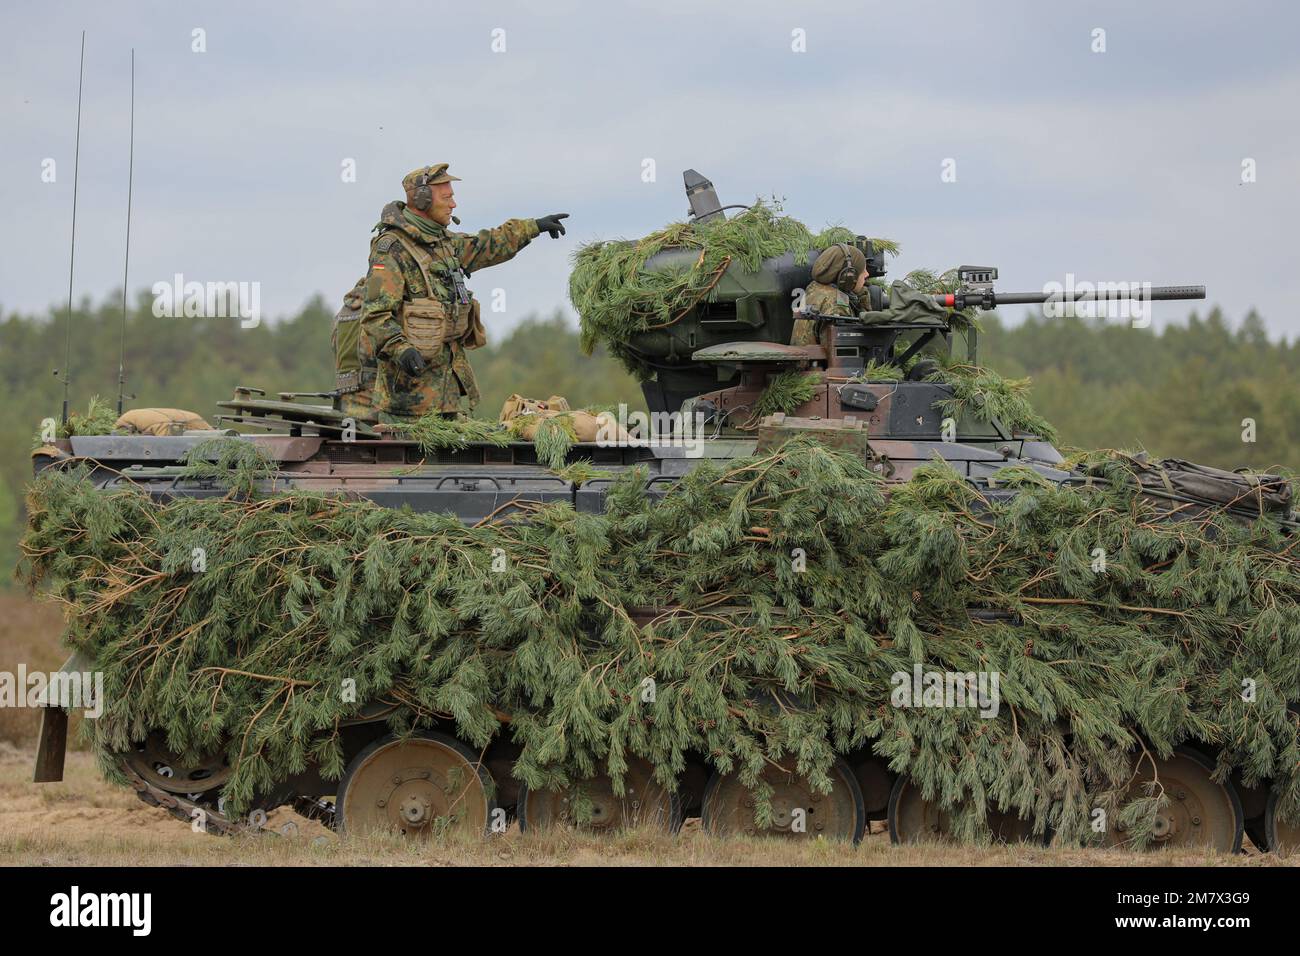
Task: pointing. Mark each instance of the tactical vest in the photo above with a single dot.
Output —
(429, 323)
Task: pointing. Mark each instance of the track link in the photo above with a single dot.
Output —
(184, 808)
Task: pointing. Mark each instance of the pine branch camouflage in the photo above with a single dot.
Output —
(751, 657)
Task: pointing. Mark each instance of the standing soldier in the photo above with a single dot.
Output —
(838, 274)
(418, 315)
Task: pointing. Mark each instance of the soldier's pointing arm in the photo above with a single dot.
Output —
(385, 287)
(488, 247)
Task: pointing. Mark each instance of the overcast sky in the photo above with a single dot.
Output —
(1117, 165)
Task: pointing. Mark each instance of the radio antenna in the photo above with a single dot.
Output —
(126, 266)
(72, 258)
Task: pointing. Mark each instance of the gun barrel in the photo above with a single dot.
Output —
(1157, 293)
(985, 298)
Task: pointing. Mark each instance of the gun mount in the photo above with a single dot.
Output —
(728, 345)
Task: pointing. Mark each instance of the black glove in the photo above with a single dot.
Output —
(552, 224)
(411, 362)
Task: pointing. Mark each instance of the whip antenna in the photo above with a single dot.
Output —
(126, 266)
(72, 258)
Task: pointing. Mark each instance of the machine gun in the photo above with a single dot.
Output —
(975, 290)
(853, 343)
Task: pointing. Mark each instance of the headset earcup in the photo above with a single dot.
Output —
(422, 198)
(848, 275)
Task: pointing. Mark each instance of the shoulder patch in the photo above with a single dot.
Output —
(385, 242)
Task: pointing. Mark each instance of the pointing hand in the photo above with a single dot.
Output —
(552, 224)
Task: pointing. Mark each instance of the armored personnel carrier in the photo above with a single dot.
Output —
(711, 369)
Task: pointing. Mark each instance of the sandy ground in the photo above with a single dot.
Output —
(85, 821)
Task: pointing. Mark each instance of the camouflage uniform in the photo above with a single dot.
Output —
(823, 295)
(355, 367)
(823, 298)
(412, 300)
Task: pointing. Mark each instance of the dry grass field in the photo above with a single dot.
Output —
(84, 821)
(29, 634)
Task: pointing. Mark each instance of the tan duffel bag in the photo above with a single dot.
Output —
(517, 405)
(161, 421)
(586, 425)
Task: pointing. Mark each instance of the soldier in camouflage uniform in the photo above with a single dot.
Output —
(418, 316)
(355, 367)
(838, 274)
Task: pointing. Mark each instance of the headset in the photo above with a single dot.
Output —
(848, 275)
(422, 198)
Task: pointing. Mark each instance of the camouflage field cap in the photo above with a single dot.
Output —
(437, 174)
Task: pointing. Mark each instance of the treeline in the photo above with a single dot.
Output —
(193, 363)
(1184, 391)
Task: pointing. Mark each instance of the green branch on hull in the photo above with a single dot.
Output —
(753, 658)
(983, 394)
(786, 392)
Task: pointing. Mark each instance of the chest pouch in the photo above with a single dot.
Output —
(428, 323)
(425, 325)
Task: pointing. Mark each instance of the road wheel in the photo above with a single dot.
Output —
(157, 764)
(798, 811)
(1283, 838)
(1199, 812)
(913, 819)
(644, 803)
(424, 785)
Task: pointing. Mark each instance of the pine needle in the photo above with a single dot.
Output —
(433, 433)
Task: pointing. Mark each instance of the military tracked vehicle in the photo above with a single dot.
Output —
(712, 367)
